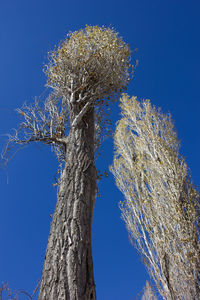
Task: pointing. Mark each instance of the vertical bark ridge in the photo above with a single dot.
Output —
(68, 266)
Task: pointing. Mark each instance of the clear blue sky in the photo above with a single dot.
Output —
(167, 35)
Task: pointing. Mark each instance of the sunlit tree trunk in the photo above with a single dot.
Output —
(68, 266)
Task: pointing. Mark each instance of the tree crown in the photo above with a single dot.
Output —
(93, 60)
(86, 70)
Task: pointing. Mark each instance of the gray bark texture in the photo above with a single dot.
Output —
(68, 266)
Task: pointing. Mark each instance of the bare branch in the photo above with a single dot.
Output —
(44, 123)
(7, 293)
(81, 113)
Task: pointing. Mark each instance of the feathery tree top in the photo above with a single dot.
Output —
(93, 60)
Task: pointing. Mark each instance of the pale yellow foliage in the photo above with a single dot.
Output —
(93, 60)
(161, 205)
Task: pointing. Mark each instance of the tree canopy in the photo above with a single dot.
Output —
(93, 62)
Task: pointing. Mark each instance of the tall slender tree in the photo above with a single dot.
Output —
(86, 71)
(161, 207)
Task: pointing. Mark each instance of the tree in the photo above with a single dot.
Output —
(161, 207)
(86, 71)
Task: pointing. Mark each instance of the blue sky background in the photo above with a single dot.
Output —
(167, 35)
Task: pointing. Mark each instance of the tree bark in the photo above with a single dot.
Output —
(68, 267)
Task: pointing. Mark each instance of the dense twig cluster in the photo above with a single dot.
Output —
(91, 64)
(161, 207)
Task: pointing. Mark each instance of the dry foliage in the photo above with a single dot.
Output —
(161, 206)
(91, 64)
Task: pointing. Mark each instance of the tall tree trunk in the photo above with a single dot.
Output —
(68, 267)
